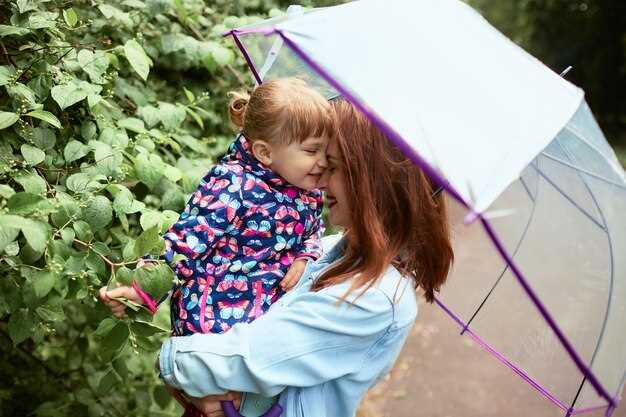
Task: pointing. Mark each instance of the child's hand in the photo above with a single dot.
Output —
(292, 276)
(117, 308)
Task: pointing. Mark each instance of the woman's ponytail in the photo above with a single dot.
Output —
(237, 108)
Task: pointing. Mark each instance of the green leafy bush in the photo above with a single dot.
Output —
(110, 113)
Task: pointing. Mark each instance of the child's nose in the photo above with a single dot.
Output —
(322, 162)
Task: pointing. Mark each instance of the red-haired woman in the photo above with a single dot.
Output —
(343, 325)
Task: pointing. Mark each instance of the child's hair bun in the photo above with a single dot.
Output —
(237, 108)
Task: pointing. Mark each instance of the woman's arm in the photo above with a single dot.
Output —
(310, 341)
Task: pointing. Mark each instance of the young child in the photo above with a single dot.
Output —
(256, 217)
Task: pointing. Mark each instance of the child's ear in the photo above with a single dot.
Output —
(262, 151)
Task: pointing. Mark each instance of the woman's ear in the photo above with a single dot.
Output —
(262, 151)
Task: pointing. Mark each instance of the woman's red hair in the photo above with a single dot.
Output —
(395, 219)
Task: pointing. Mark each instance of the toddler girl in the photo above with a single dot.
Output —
(256, 217)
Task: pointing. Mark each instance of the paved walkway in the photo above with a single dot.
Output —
(441, 374)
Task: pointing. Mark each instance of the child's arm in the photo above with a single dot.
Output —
(311, 247)
(209, 212)
(312, 243)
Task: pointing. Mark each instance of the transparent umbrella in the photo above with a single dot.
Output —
(515, 146)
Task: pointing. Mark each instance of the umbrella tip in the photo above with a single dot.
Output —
(565, 71)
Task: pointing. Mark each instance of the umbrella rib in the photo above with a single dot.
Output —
(611, 275)
(246, 56)
(584, 171)
(526, 188)
(506, 267)
(568, 198)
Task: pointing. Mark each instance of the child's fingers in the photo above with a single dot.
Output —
(122, 291)
(292, 276)
(103, 295)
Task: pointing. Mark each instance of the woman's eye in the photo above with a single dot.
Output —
(311, 151)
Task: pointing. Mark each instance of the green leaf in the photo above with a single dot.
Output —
(71, 93)
(7, 119)
(68, 94)
(150, 114)
(98, 212)
(88, 130)
(6, 30)
(46, 116)
(70, 17)
(107, 382)
(26, 203)
(75, 150)
(42, 20)
(21, 92)
(189, 95)
(124, 203)
(35, 232)
(149, 219)
(137, 58)
(44, 138)
(43, 282)
(21, 326)
(172, 116)
(107, 159)
(94, 64)
(161, 396)
(24, 6)
(114, 13)
(105, 327)
(222, 55)
(148, 240)
(146, 329)
(51, 312)
(133, 124)
(195, 117)
(83, 231)
(114, 340)
(6, 191)
(149, 169)
(124, 276)
(32, 183)
(5, 74)
(7, 236)
(80, 183)
(155, 280)
(32, 155)
(68, 235)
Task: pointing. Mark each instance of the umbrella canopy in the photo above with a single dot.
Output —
(517, 148)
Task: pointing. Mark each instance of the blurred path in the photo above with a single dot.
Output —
(441, 374)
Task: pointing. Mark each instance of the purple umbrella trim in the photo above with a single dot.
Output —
(246, 56)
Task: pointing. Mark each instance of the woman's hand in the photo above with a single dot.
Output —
(292, 276)
(210, 405)
(116, 307)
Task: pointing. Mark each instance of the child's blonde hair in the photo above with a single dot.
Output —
(283, 110)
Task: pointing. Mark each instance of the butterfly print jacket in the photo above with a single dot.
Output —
(240, 232)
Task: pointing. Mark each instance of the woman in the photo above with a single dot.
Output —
(342, 327)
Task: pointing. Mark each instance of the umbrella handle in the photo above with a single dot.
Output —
(229, 410)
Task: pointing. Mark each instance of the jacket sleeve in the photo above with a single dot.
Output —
(211, 211)
(307, 342)
(312, 243)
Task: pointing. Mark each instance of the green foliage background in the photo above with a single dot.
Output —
(110, 113)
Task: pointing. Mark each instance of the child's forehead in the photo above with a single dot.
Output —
(314, 140)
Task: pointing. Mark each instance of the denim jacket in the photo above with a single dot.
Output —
(320, 356)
